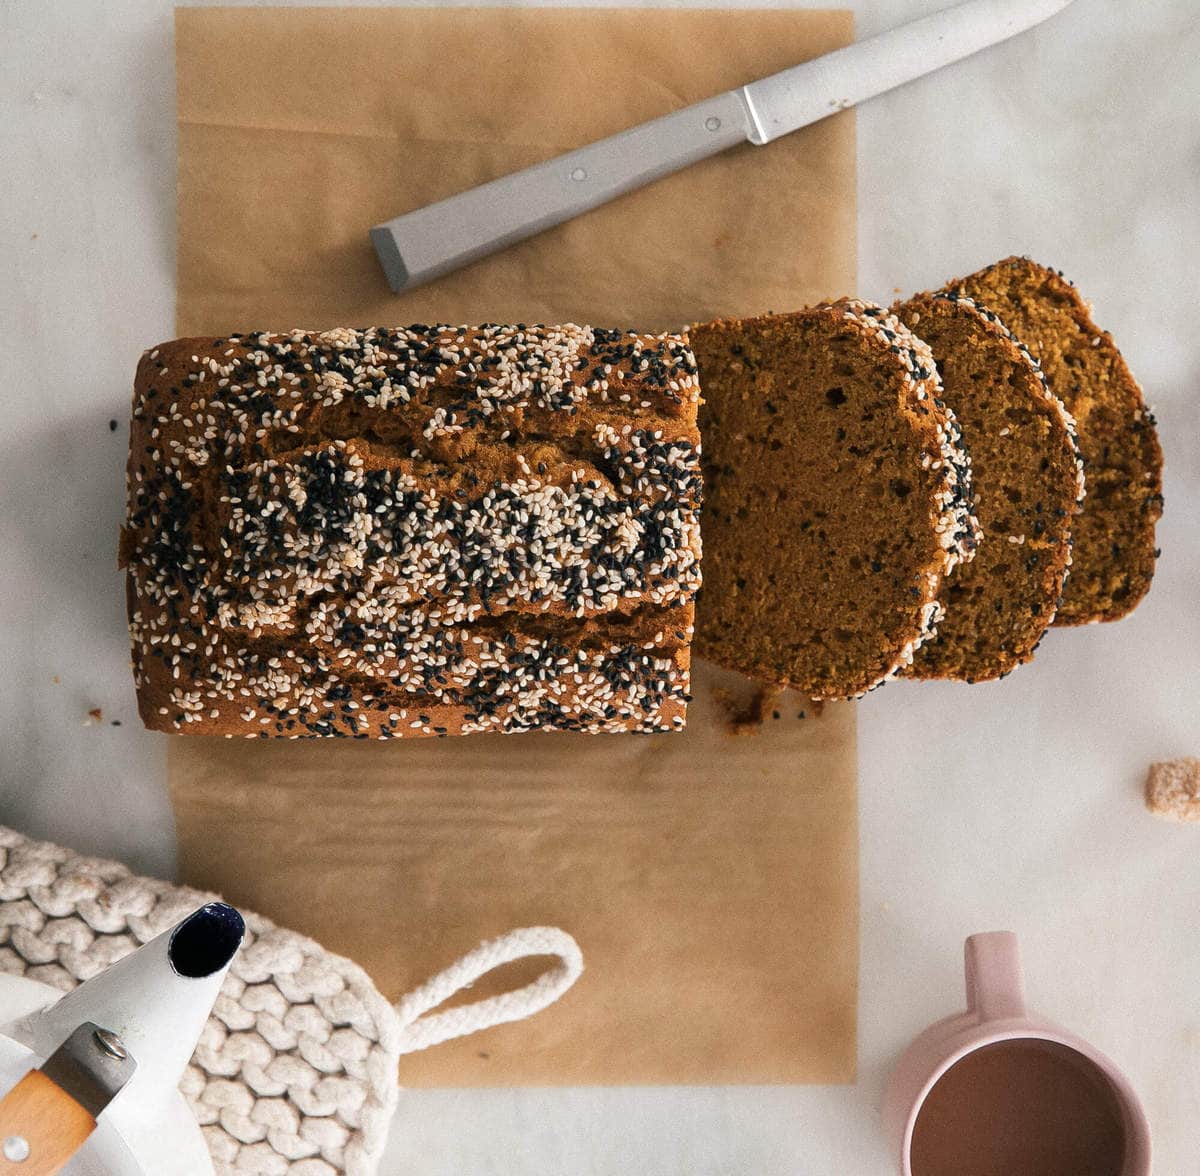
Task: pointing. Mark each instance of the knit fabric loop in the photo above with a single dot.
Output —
(420, 1028)
(295, 1071)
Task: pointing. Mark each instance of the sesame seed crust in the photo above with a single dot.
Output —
(423, 531)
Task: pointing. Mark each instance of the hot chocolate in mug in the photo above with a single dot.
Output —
(997, 1091)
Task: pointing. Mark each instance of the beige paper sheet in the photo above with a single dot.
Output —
(711, 880)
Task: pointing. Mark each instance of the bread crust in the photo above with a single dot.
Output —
(409, 532)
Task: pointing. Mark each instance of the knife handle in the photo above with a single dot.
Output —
(431, 241)
(50, 1121)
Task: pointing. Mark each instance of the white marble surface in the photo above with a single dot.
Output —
(1009, 805)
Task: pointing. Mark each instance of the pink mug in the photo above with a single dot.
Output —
(931, 1124)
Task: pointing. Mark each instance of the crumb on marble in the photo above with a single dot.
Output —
(747, 717)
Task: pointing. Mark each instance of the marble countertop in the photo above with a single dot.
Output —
(1015, 804)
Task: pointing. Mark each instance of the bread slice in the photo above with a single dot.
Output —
(1114, 552)
(1028, 482)
(837, 496)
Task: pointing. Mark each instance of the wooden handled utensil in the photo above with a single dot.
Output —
(49, 1115)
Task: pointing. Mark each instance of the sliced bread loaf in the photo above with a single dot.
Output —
(837, 496)
(1028, 483)
(1114, 552)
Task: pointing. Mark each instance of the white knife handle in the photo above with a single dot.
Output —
(431, 241)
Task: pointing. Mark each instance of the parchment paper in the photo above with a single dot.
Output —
(711, 880)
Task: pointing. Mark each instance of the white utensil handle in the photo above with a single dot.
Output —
(430, 241)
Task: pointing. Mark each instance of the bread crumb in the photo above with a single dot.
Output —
(94, 716)
(748, 717)
(1173, 789)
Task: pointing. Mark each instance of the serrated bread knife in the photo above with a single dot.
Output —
(431, 241)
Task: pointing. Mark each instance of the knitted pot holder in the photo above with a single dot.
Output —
(295, 1073)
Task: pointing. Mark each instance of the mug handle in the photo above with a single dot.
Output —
(995, 985)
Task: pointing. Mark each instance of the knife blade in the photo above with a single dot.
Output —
(47, 1117)
(807, 93)
(428, 242)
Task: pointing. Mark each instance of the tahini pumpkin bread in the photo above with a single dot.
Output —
(837, 497)
(1114, 552)
(412, 532)
(1028, 482)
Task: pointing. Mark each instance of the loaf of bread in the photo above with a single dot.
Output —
(1114, 550)
(424, 531)
(837, 497)
(1029, 485)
